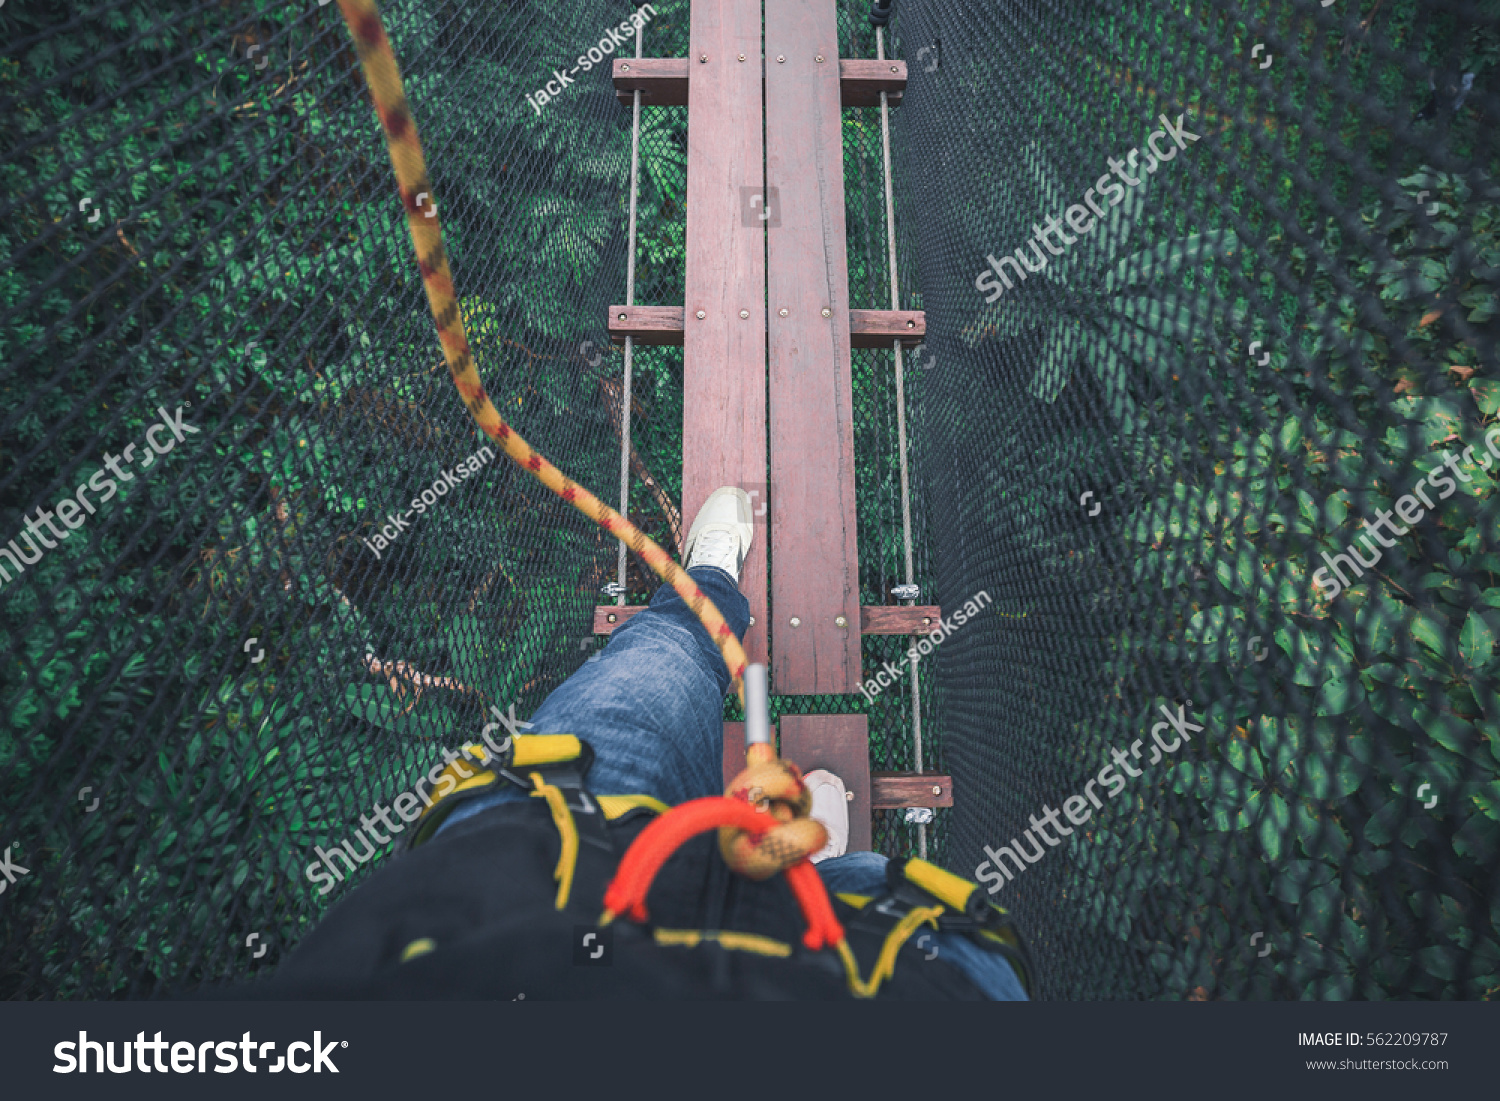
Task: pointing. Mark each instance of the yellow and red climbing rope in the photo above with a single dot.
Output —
(384, 79)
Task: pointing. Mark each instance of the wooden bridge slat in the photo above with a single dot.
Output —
(663, 81)
(811, 407)
(724, 355)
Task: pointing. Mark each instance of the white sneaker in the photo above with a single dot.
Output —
(721, 532)
(830, 806)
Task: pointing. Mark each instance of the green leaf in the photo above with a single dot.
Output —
(1055, 364)
(1431, 629)
(1339, 695)
(1239, 754)
(1378, 621)
(1169, 256)
(1274, 827)
(1297, 877)
(1476, 642)
(1486, 394)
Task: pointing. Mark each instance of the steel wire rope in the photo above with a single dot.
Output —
(626, 381)
(890, 242)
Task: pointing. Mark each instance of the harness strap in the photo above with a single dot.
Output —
(885, 964)
(562, 817)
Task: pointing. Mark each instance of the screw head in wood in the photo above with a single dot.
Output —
(894, 69)
(780, 58)
(840, 621)
(744, 313)
(796, 622)
(849, 796)
(936, 790)
(819, 59)
(742, 57)
(701, 315)
(827, 312)
(783, 311)
(611, 617)
(911, 324)
(752, 623)
(622, 317)
(702, 58)
(624, 68)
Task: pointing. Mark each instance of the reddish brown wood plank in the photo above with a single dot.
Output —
(867, 328)
(647, 324)
(816, 581)
(876, 619)
(724, 349)
(609, 616)
(891, 790)
(877, 328)
(840, 744)
(861, 80)
(734, 750)
(663, 81)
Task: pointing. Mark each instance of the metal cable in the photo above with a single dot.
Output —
(625, 384)
(890, 243)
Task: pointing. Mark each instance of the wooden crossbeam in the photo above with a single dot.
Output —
(663, 81)
(874, 619)
(890, 790)
(664, 325)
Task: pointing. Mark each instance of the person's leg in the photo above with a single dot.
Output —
(863, 873)
(652, 702)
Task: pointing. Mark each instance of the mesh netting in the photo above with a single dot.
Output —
(215, 343)
(1145, 449)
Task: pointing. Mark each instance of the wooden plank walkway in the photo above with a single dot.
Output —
(724, 335)
(766, 332)
(815, 590)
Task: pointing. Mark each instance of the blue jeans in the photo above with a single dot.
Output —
(651, 703)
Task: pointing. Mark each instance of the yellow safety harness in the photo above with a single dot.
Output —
(552, 767)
